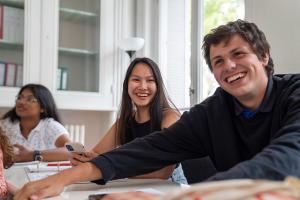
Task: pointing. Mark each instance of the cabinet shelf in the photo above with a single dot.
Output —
(13, 3)
(66, 51)
(76, 52)
(77, 15)
(10, 45)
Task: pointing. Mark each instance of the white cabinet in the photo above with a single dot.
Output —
(70, 47)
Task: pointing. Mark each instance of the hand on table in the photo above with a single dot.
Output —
(40, 189)
(22, 153)
(77, 158)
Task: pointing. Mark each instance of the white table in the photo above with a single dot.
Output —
(80, 191)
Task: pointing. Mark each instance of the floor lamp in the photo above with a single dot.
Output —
(131, 45)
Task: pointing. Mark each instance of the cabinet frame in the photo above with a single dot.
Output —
(41, 57)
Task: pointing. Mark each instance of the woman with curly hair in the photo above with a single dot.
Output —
(6, 160)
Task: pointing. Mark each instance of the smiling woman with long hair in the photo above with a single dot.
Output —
(145, 108)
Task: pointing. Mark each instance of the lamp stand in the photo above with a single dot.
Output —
(130, 53)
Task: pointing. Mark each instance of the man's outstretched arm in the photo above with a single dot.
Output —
(54, 185)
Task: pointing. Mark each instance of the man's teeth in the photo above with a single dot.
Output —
(235, 77)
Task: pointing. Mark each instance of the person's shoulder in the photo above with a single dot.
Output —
(287, 81)
(170, 111)
(219, 102)
(46, 121)
(8, 123)
(51, 125)
(50, 122)
(289, 78)
(10, 128)
(219, 97)
(170, 116)
(3, 121)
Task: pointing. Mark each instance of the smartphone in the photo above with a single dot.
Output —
(96, 196)
(75, 147)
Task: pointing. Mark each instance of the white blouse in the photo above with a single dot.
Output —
(42, 137)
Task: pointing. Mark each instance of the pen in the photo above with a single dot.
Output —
(58, 164)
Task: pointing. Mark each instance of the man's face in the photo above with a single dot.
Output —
(238, 70)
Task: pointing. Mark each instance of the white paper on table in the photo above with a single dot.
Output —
(33, 176)
(44, 168)
(22, 164)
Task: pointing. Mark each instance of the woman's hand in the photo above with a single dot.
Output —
(77, 158)
(22, 153)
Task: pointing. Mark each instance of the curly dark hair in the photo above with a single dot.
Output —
(248, 31)
(7, 150)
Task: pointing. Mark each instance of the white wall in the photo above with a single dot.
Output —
(280, 21)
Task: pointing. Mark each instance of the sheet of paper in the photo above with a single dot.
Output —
(33, 176)
(22, 164)
(45, 168)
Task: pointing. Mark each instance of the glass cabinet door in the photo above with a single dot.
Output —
(78, 56)
(11, 42)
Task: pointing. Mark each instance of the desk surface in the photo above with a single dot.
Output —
(18, 177)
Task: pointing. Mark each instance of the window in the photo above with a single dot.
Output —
(217, 12)
(182, 26)
(175, 22)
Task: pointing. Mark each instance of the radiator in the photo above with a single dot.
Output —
(76, 132)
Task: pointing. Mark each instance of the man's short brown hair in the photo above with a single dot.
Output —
(248, 31)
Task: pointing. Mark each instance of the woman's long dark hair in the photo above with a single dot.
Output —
(160, 101)
(45, 99)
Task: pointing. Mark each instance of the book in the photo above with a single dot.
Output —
(1, 21)
(11, 24)
(19, 76)
(62, 78)
(10, 74)
(2, 73)
(58, 79)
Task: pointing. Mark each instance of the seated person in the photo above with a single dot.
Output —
(34, 128)
(6, 160)
(145, 107)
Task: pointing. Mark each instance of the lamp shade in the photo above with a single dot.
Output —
(132, 44)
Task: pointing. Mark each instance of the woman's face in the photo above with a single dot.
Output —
(27, 106)
(141, 85)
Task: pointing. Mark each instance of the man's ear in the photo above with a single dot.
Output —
(265, 59)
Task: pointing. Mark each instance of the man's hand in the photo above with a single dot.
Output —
(40, 189)
(54, 184)
(22, 153)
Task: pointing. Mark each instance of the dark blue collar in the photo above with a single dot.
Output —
(265, 106)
